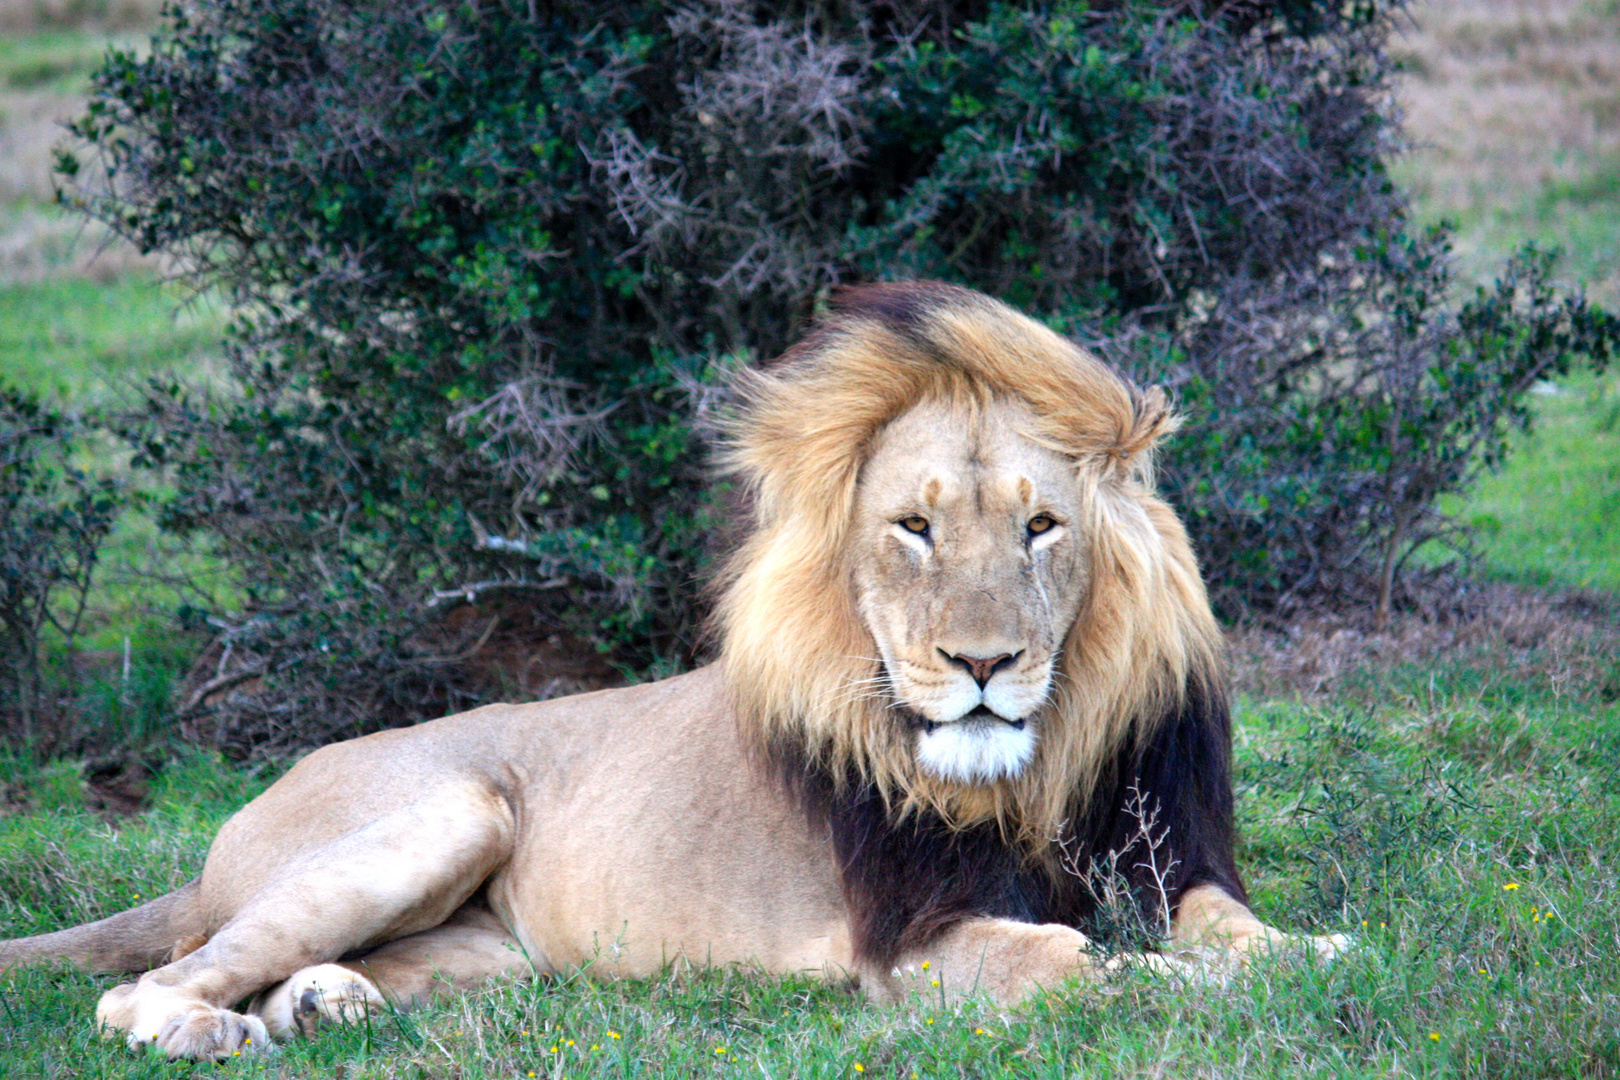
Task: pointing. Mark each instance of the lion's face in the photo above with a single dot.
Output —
(970, 571)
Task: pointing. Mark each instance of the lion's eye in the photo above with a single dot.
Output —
(915, 524)
(1040, 523)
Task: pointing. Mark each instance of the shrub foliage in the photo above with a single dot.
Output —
(487, 255)
(53, 520)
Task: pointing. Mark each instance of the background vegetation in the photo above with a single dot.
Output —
(480, 307)
(1403, 778)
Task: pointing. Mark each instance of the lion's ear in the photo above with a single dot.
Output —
(1151, 418)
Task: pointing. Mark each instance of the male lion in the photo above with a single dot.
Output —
(965, 651)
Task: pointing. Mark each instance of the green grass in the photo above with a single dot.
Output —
(54, 61)
(1578, 217)
(1552, 517)
(87, 341)
(1440, 814)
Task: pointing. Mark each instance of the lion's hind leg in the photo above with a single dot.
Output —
(317, 996)
(467, 948)
(398, 875)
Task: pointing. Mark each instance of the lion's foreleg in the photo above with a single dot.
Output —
(1002, 959)
(1209, 919)
(403, 873)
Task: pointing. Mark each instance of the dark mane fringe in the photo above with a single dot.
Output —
(1182, 773)
(907, 879)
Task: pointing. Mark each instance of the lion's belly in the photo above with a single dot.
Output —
(669, 848)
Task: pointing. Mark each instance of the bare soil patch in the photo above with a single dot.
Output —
(1566, 640)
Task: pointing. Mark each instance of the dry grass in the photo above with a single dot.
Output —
(44, 80)
(37, 244)
(30, 124)
(47, 52)
(26, 16)
(1514, 107)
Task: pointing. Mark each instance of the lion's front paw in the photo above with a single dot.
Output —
(1325, 946)
(325, 993)
(1273, 942)
(151, 1016)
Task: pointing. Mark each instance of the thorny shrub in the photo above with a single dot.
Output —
(486, 254)
(53, 520)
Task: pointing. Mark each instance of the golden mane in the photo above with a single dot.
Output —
(795, 652)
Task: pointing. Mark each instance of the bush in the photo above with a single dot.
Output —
(486, 255)
(53, 519)
(1333, 408)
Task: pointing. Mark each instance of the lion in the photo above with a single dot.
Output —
(964, 653)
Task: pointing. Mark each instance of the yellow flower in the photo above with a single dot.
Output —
(570, 1042)
(1363, 922)
(531, 1072)
(1482, 971)
(1549, 916)
(930, 1020)
(614, 1035)
(719, 1049)
(1435, 1036)
(859, 1067)
(978, 1031)
(553, 1050)
(1511, 886)
(925, 965)
(936, 982)
(595, 1047)
(523, 1033)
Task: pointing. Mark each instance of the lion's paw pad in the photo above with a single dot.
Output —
(331, 994)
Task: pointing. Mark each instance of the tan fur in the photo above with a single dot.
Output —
(627, 830)
(795, 645)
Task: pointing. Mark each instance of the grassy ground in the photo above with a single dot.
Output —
(83, 317)
(1461, 818)
(1552, 518)
(89, 341)
(1513, 107)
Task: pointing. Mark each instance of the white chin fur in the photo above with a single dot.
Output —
(976, 752)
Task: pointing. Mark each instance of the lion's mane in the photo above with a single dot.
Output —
(1140, 674)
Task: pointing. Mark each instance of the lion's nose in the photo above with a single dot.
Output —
(982, 667)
